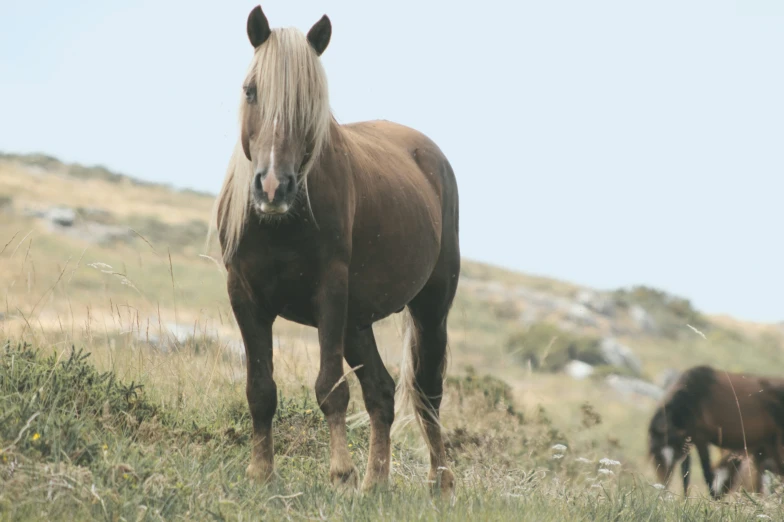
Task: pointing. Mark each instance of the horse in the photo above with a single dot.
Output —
(337, 226)
(737, 412)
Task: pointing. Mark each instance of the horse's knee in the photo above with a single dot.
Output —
(332, 397)
(262, 397)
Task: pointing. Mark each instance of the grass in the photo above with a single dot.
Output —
(146, 428)
(82, 444)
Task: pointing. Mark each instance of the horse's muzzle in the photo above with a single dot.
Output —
(274, 192)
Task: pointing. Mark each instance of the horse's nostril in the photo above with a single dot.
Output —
(257, 182)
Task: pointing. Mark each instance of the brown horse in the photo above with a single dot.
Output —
(336, 227)
(736, 412)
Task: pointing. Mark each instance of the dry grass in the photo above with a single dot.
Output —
(115, 300)
(36, 188)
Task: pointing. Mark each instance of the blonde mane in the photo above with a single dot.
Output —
(292, 88)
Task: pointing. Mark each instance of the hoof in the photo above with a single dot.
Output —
(260, 474)
(443, 482)
(371, 485)
(345, 480)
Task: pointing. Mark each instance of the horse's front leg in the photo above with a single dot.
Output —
(331, 388)
(256, 329)
(686, 472)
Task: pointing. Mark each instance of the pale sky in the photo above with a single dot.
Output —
(608, 143)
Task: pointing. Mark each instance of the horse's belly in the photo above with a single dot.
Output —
(383, 285)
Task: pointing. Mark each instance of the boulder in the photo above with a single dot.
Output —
(620, 356)
(642, 319)
(599, 303)
(580, 315)
(61, 216)
(667, 377)
(630, 386)
(578, 370)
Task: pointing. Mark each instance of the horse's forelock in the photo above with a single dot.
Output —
(292, 89)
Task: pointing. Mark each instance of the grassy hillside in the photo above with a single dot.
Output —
(100, 261)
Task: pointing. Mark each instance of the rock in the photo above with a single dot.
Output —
(643, 319)
(629, 385)
(94, 232)
(61, 216)
(667, 377)
(581, 315)
(578, 369)
(620, 356)
(599, 303)
(529, 316)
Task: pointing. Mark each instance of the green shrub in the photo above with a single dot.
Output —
(60, 409)
(545, 347)
(670, 313)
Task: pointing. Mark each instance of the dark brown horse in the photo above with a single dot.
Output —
(336, 227)
(704, 406)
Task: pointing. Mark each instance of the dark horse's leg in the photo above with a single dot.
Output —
(256, 329)
(331, 388)
(707, 469)
(761, 464)
(378, 390)
(428, 338)
(685, 471)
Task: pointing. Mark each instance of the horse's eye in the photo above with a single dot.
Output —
(250, 94)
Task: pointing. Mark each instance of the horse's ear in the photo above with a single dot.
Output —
(319, 34)
(258, 27)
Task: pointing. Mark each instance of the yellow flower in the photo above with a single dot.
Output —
(125, 476)
(36, 436)
(105, 447)
(308, 412)
(350, 445)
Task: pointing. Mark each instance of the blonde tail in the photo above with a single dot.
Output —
(408, 393)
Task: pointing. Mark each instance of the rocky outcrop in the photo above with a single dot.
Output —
(620, 356)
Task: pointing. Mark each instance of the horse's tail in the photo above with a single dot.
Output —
(408, 393)
(405, 392)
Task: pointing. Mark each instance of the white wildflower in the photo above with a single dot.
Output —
(764, 517)
(609, 462)
(659, 486)
(559, 447)
(606, 472)
(558, 456)
(583, 460)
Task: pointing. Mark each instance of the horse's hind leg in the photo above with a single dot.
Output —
(427, 336)
(378, 390)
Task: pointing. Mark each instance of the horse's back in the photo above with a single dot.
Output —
(382, 139)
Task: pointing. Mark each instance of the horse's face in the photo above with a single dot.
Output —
(666, 446)
(276, 158)
(276, 147)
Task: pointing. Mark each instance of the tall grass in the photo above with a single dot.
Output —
(108, 410)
